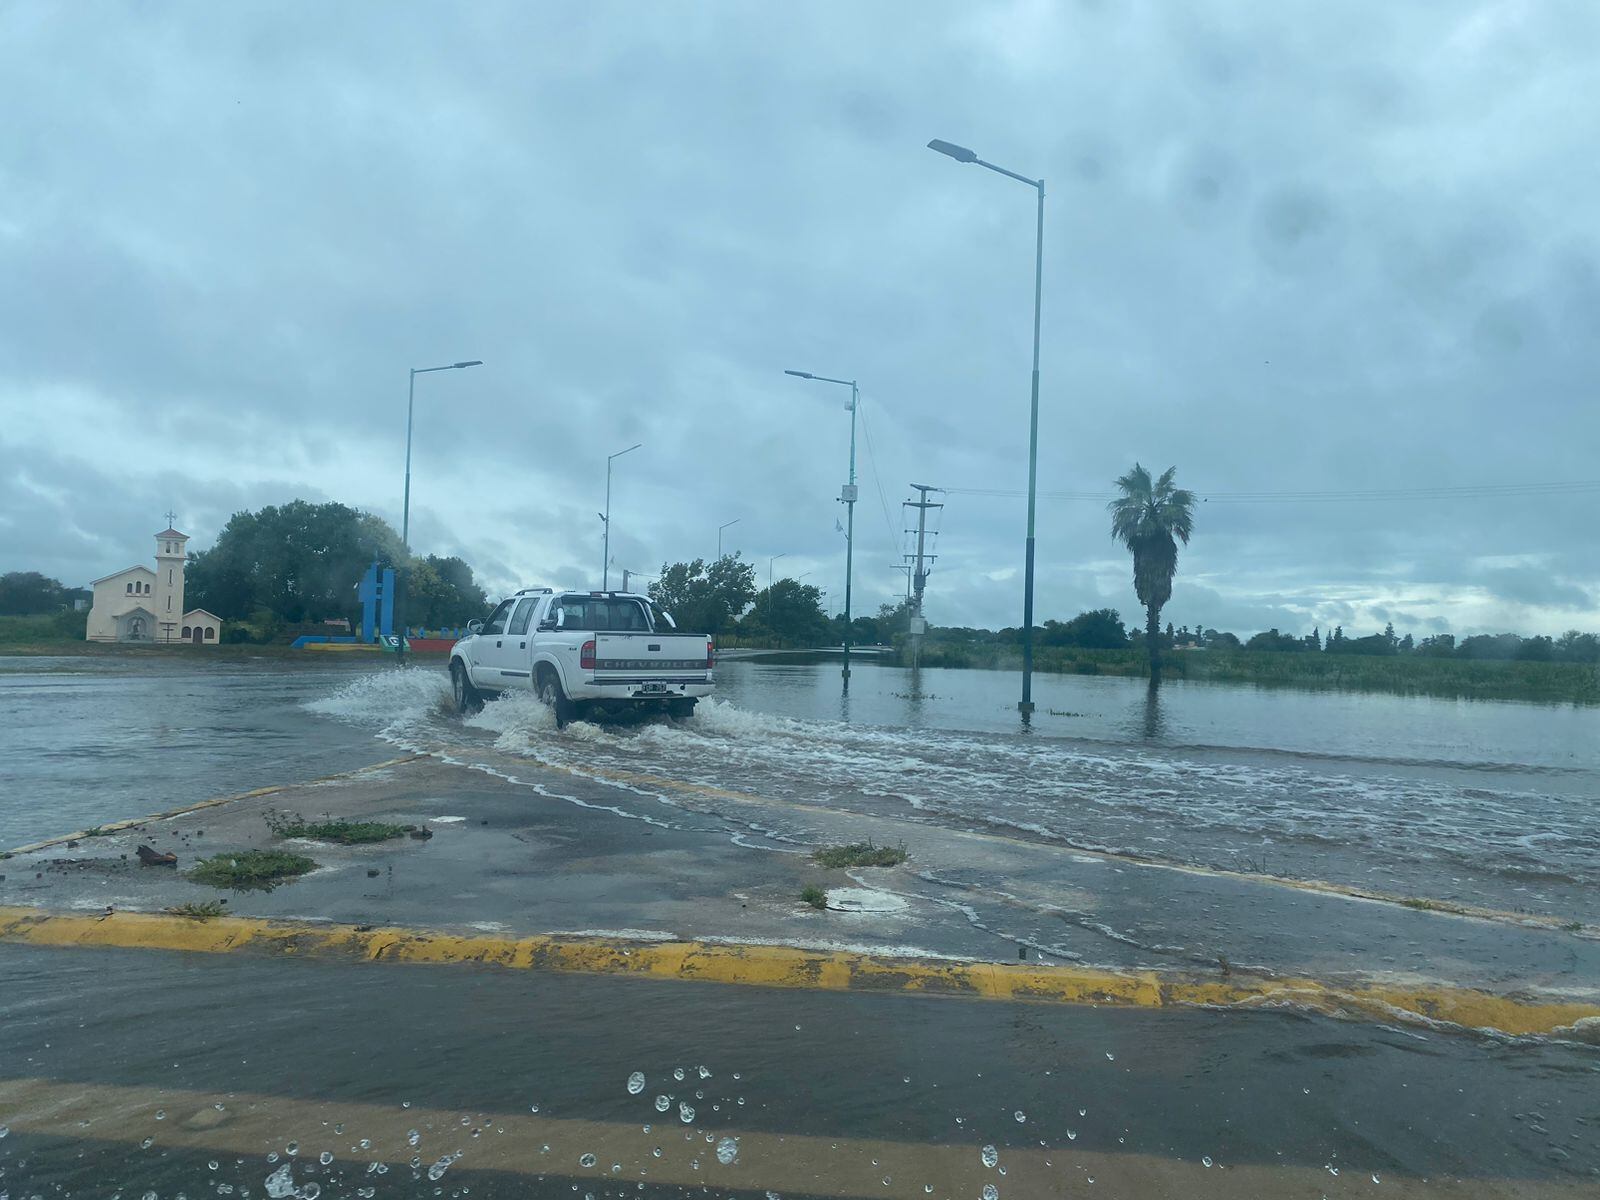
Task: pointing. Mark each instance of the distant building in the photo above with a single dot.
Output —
(144, 605)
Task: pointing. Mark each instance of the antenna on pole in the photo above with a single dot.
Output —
(919, 574)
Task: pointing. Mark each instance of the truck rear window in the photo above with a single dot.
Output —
(604, 614)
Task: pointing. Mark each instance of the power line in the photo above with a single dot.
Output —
(1361, 495)
(877, 478)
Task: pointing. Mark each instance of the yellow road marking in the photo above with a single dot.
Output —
(116, 826)
(787, 967)
(240, 1124)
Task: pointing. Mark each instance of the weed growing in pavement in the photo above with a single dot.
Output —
(346, 833)
(859, 854)
(202, 910)
(813, 895)
(250, 869)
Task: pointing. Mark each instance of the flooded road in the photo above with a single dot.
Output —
(1484, 803)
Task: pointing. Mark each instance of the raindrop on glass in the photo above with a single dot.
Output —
(990, 1192)
(685, 1113)
(1072, 1135)
(1110, 1057)
(1083, 1112)
(727, 1150)
(635, 1083)
(365, 1143)
(702, 1072)
(677, 1073)
(213, 1165)
(656, 1153)
(990, 1156)
(1206, 1160)
(413, 1137)
(147, 1143)
(533, 1108)
(280, 1183)
(588, 1160)
(325, 1157)
(662, 1104)
(292, 1149)
(1020, 1116)
(309, 1191)
(161, 1114)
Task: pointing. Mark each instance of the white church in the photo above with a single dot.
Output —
(143, 605)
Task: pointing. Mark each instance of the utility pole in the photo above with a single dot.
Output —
(919, 576)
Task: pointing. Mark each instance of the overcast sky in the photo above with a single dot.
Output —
(1288, 247)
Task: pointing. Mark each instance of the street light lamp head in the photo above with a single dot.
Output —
(477, 362)
(959, 153)
(801, 374)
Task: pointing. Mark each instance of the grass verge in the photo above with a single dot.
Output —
(250, 869)
(345, 833)
(859, 854)
(813, 895)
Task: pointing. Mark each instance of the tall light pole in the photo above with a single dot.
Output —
(720, 528)
(962, 155)
(848, 495)
(770, 561)
(405, 505)
(605, 567)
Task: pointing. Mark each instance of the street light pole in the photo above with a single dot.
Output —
(963, 155)
(605, 566)
(770, 561)
(720, 528)
(405, 504)
(848, 495)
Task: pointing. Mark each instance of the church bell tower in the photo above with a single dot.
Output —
(168, 595)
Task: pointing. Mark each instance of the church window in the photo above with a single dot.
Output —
(185, 634)
(130, 589)
(210, 633)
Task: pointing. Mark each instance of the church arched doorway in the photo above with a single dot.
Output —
(198, 636)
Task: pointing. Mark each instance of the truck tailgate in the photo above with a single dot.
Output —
(661, 656)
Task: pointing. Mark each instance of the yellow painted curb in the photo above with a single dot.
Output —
(787, 967)
(117, 826)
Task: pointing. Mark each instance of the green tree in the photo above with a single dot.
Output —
(298, 561)
(26, 592)
(789, 613)
(441, 592)
(1150, 518)
(1576, 647)
(1273, 640)
(705, 598)
(1100, 629)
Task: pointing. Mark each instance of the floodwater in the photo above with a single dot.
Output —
(1489, 803)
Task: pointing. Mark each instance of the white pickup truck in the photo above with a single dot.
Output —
(582, 653)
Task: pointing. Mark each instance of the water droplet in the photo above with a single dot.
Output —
(1206, 1160)
(702, 1072)
(161, 1114)
(656, 1153)
(309, 1191)
(662, 1104)
(292, 1149)
(685, 1113)
(1110, 1057)
(443, 1165)
(1375, 1179)
(213, 1165)
(1083, 1112)
(465, 1121)
(741, 1101)
(699, 1095)
(990, 1156)
(990, 1192)
(4, 1129)
(147, 1143)
(280, 1183)
(272, 1156)
(533, 1108)
(677, 1073)
(1020, 1116)
(339, 1128)
(635, 1083)
(774, 1196)
(727, 1150)
(365, 1143)
(325, 1157)
(416, 1161)
(587, 1160)
(927, 1188)
(1072, 1135)
(405, 1104)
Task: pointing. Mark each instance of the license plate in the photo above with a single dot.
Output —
(652, 689)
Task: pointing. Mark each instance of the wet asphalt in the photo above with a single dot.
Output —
(1139, 1100)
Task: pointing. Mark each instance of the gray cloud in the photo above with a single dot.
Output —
(1287, 248)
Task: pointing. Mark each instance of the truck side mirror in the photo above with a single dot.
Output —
(474, 627)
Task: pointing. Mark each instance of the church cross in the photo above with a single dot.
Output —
(171, 519)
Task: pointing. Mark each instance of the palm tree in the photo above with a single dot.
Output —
(1150, 519)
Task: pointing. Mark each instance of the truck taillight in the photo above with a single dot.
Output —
(586, 656)
(710, 657)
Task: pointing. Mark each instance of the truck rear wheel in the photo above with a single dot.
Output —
(551, 693)
(468, 699)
